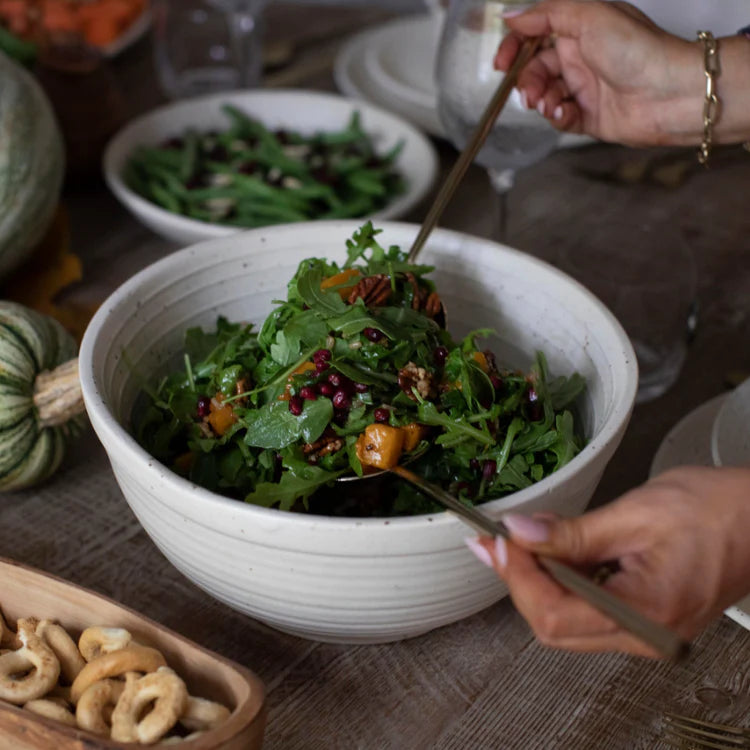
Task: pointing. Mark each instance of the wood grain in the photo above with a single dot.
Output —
(29, 593)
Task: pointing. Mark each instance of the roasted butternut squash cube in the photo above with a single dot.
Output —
(413, 434)
(304, 367)
(481, 359)
(222, 416)
(380, 445)
(348, 274)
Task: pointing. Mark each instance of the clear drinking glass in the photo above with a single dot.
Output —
(645, 273)
(202, 46)
(466, 81)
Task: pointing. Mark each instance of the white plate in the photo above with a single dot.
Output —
(353, 77)
(304, 111)
(730, 438)
(393, 64)
(689, 443)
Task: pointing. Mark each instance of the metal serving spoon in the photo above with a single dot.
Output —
(465, 158)
(657, 636)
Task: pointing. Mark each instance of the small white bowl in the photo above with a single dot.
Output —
(365, 580)
(304, 111)
(730, 435)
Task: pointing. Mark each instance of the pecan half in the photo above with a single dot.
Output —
(329, 443)
(411, 376)
(372, 290)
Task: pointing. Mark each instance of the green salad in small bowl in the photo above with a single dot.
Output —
(355, 370)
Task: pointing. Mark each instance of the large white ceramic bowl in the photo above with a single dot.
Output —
(304, 111)
(338, 579)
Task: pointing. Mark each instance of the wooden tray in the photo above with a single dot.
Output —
(25, 592)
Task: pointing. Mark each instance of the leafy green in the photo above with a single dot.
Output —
(273, 417)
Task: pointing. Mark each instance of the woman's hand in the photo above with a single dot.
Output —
(682, 542)
(611, 73)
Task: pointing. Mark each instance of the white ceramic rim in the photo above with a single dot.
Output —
(156, 215)
(112, 433)
(372, 61)
(343, 74)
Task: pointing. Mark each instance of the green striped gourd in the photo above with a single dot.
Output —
(40, 397)
(31, 164)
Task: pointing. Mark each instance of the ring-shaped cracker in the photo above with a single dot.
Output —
(166, 695)
(134, 658)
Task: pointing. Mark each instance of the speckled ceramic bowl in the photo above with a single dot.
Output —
(337, 579)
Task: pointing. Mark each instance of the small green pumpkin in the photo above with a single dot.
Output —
(41, 407)
(31, 164)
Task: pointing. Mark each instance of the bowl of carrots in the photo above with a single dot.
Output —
(108, 25)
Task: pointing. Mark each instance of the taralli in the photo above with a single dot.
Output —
(64, 648)
(51, 710)
(131, 659)
(29, 672)
(96, 641)
(201, 714)
(95, 705)
(106, 684)
(167, 695)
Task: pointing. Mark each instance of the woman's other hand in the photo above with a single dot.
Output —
(682, 542)
(610, 72)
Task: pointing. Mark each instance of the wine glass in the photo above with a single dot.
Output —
(466, 81)
(202, 46)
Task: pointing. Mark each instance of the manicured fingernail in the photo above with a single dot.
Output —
(516, 10)
(501, 551)
(540, 107)
(480, 551)
(524, 99)
(558, 113)
(528, 529)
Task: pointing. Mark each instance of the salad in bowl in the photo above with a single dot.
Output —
(355, 371)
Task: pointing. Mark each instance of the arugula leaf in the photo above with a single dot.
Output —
(325, 304)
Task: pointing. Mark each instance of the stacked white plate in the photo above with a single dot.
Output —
(393, 65)
(713, 434)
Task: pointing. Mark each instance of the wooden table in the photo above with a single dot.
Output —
(483, 682)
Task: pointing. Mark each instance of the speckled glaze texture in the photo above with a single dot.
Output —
(730, 436)
(305, 111)
(337, 579)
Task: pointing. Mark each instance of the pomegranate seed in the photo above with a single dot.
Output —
(322, 355)
(474, 464)
(440, 355)
(295, 405)
(321, 367)
(337, 380)
(497, 382)
(373, 334)
(204, 406)
(535, 412)
(326, 389)
(308, 393)
(381, 414)
(341, 399)
(532, 395)
(489, 469)
(361, 387)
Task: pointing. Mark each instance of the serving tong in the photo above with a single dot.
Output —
(663, 640)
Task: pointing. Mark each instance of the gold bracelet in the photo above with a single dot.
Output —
(711, 102)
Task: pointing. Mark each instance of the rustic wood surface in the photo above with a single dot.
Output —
(483, 682)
